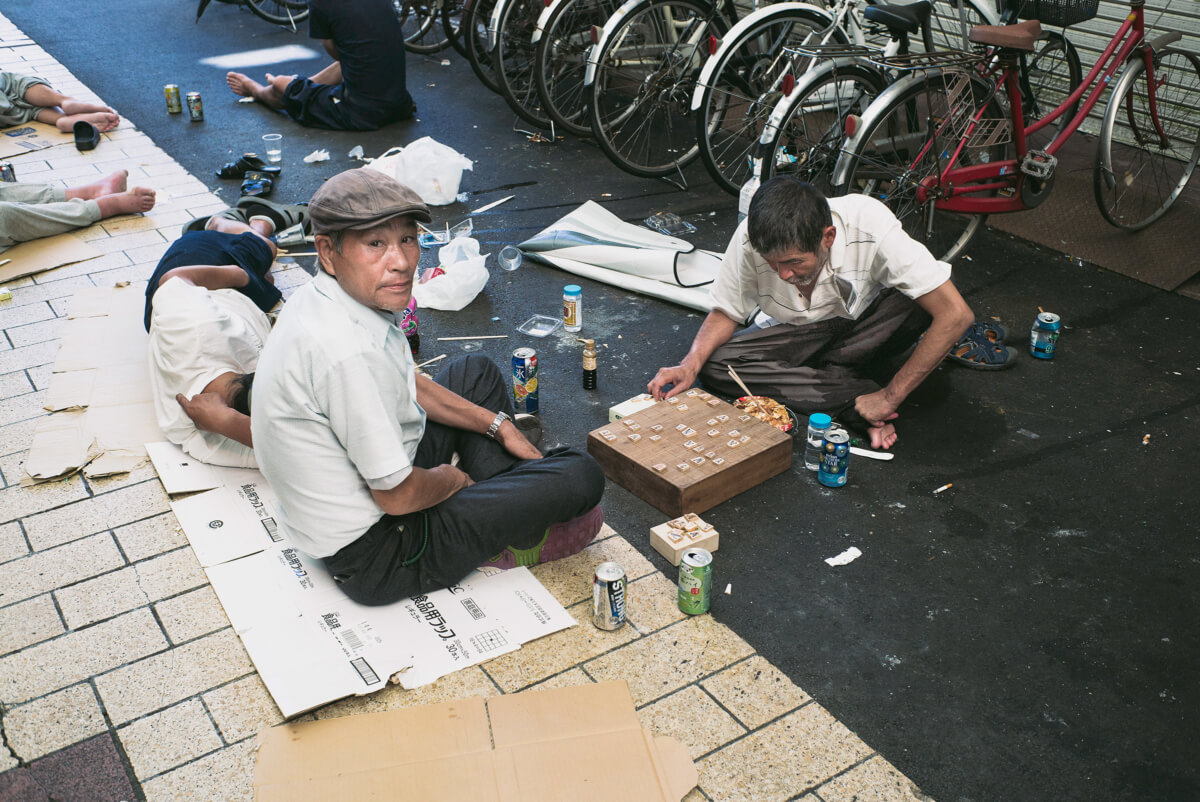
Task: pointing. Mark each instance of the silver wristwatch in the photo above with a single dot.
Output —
(500, 418)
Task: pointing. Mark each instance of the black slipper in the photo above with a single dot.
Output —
(282, 215)
(257, 185)
(249, 162)
(201, 223)
(87, 136)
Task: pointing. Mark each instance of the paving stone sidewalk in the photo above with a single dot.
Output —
(120, 676)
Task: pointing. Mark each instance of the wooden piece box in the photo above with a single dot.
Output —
(762, 451)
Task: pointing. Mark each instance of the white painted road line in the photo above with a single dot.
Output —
(257, 58)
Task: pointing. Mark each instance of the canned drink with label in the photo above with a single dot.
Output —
(695, 581)
(835, 458)
(174, 104)
(1043, 336)
(525, 380)
(195, 107)
(608, 596)
(7, 173)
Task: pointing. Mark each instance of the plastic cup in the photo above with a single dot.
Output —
(510, 257)
(273, 145)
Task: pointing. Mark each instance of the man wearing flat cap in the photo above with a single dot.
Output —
(358, 445)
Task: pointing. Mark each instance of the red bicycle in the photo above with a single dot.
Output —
(950, 143)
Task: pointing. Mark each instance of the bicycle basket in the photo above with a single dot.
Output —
(1056, 12)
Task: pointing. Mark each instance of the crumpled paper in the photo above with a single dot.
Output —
(317, 156)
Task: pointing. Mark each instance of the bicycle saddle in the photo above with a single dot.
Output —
(908, 18)
(1022, 36)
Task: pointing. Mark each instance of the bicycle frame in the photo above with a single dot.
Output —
(956, 185)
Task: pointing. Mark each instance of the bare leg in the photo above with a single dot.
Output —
(261, 226)
(111, 184)
(270, 94)
(63, 112)
(135, 201)
(331, 75)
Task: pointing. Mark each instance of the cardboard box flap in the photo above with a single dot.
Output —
(681, 772)
(561, 713)
(462, 777)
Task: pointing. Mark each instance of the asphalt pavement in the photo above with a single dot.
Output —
(1029, 633)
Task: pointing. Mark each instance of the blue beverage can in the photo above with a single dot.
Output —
(525, 380)
(835, 458)
(1043, 335)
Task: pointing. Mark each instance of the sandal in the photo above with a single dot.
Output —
(249, 162)
(282, 216)
(985, 332)
(87, 136)
(982, 355)
(201, 223)
(257, 185)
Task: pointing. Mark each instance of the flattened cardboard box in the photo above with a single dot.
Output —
(579, 743)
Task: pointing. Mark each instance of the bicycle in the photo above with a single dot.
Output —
(280, 12)
(561, 39)
(934, 145)
(514, 23)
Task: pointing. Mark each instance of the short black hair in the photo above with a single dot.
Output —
(242, 387)
(787, 214)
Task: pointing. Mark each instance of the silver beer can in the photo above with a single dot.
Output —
(608, 596)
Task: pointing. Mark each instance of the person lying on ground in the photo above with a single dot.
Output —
(358, 445)
(206, 308)
(362, 90)
(33, 211)
(839, 288)
(26, 97)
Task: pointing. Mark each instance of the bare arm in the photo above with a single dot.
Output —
(951, 317)
(449, 408)
(421, 489)
(210, 414)
(211, 277)
(714, 332)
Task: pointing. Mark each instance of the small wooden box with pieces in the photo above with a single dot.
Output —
(680, 465)
(678, 535)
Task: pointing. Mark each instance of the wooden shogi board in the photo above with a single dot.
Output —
(742, 453)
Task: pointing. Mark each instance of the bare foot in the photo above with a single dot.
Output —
(883, 436)
(135, 201)
(111, 184)
(245, 86)
(73, 106)
(104, 120)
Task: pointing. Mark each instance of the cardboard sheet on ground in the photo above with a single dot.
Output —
(30, 137)
(47, 253)
(577, 743)
(99, 394)
(309, 642)
(593, 242)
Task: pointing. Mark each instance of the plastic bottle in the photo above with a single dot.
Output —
(747, 192)
(589, 364)
(572, 307)
(408, 325)
(818, 424)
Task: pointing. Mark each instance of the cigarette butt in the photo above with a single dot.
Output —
(944, 488)
(1040, 309)
(729, 590)
(6, 261)
(1146, 440)
(5, 295)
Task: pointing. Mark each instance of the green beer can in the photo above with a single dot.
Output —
(695, 581)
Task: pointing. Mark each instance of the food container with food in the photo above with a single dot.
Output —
(769, 411)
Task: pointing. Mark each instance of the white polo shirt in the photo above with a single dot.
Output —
(870, 252)
(197, 334)
(334, 407)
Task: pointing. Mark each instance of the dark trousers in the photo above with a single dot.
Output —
(818, 367)
(511, 503)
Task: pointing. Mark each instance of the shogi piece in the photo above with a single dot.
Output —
(676, 478)
(678, 535)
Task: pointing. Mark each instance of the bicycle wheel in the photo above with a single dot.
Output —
(280, 12)
(808, 140)
(513, 55)
(1145, 159)
(452, 24)
(560, 61)
(948, 28)
(476, 17)
(1048, 77)
(746, 84)
(640, 97)
(900, 155)
(421, 23)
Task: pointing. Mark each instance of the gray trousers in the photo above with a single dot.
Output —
(818, 367)
(32, 211)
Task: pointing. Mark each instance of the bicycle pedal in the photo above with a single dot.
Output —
(1038, 164)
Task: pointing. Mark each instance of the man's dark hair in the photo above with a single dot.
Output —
(242, 387)
(787, 214)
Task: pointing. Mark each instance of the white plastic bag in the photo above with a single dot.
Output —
(432, 170)
(464, 277)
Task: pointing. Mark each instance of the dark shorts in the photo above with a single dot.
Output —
(247, 251)
(325, 106)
